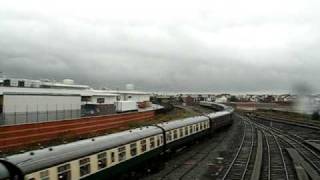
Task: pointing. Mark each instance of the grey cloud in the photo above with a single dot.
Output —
(197, 50)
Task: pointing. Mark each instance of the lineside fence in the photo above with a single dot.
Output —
(32, 114)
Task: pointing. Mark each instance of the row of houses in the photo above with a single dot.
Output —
(224, 98)
(266, 98)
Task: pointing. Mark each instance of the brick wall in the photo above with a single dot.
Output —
(26, 134)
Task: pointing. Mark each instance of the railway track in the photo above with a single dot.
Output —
(186, 164)
(276, 161)
(285, 141)
(189, 160)
(276, 167)
(239, 165)
(305, 130)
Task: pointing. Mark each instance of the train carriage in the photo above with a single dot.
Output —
(109, 155)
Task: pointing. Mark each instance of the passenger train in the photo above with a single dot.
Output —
(110, 155)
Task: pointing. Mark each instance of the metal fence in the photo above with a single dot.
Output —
(31, 116)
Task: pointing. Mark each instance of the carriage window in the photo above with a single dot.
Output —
(113, 158)
(84, 166)
(161, 139)
(158, 141)
(168, 136)
(64, 172)
(186, 131)
(122, 153)
(133, 149)
(175, 134)
(44, 175)
(102, 160)
(191, 129)
(143, 145)
(181, 132)
(152, 143)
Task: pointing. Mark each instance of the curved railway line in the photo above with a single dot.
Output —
(263, 150)
(276, 167)
(290, 142)
(239, 165)
(189, 159)
(182, 169)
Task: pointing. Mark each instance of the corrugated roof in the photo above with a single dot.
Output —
(83, 92)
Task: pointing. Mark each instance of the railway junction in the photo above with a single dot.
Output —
(252, 148)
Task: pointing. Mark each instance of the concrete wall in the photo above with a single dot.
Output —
(28, 134)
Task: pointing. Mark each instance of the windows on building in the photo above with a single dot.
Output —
(100, 100)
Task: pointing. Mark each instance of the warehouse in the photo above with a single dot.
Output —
(95, 102)
(136, 96)
(30, 107)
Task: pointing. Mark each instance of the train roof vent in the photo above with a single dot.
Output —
(92, 139)
(50, 149)
(31, 153)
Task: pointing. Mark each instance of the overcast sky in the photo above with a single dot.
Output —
(229, 45)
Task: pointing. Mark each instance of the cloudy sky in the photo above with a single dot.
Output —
(229, 45)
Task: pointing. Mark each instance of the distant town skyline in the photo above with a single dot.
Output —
(216, 46)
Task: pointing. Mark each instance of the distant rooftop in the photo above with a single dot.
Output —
(82, 92)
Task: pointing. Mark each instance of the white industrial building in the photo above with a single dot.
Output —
(28, 101)
(136, 96)
(30, 107)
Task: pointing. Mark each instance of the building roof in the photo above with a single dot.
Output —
(82, 92)
(61, 85)
(126, 92)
